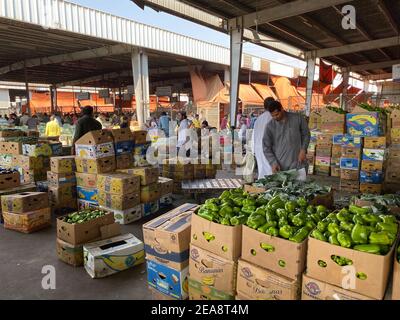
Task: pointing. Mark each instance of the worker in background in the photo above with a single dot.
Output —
(3, 121)
(253, 119)
(183, 132)
(264, 169)
(164, 123)
(33, 122)
(52, 128)
(286, 139)
(58, 118)
(124, 122)
(196, 122)
(86, 124)
(101, 119)
(24, 119)
(224, 122)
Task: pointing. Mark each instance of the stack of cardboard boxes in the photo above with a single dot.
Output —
(94, 155)
(336, 155)
(167, 241)
(140, 148)
(178, 172)
(166, 186)
(372, 165)
(120, 193)
(124, 147)
(392, 175)
(332, 122)
(350, 162)
(311, 152)
(62, 183)
(323, 154)
(26, 212)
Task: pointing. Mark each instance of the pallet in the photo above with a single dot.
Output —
(210, 185)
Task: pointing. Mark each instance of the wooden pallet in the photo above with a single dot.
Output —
(210, 185)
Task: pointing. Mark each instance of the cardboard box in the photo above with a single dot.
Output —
(42, 149)
(103, 165)
(61, 179)
(395, 133)
(83, 204)
(123, 134)
(198, 291)
(349, 140)
(150, 193)
(225, 241)
(124, 161)
(95, 138)
(157, 295)
(371, 177)
(352, 186)
(96, 229)
(371, 166)
(350, 164)
(62, 195)
(336, 151)
(117, 201)
(7, 160)
(323, 161)
(86, 180)
(375, 142)
(324, 140)
(395, 118)
(140, 137)
(318, 290)
(69, 253)
(182, 176)
(365, 124)
(27, 222)
(392, 177)
(141, 149)
(150, 208)
(371, 188)
(126, 216)
(140, 161)
(335, 171)
(63, 164)
(323, 152)
(124, 147)
(118, 183)
(396, 280)
(33, 175)
(148, 175)
(329, 116)
(288, 258)
(346, 174)
(168, 281)
(373, 154)
(88, 194)
(335, 161)
(5, 133)
(337, 139)
(166, 201)
(258, 283)
(106, 257)
(27, 162)
(166, 185)
(252, 189)
(10, 147)
(351, 153)
(375, 267)
(333, 127)
(212, 270)
(9, 180)
(24, 202)
(394, 154)
(94, 151)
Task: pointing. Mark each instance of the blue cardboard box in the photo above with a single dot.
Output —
(149, 208)
(124, 147)
(167, 280)
(88, 194)
(371, 177)
(350, 164)
(364, 124)
(373, 154)
(337, 138)
(141, 149)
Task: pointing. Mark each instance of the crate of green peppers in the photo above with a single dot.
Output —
(83, 216)
(355, 238)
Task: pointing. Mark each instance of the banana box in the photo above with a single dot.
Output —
(69, 253)
(10, 180)
(351, 164)
(141, 149)
(7, 160)
(106, 257)
(171, 282)
(157, 295)
(150, 208)
(167, 237)
(124, 161)
(124, 147)
(118, 183)
(10, 147)
(102, 165)
(148, 175)
(140, 137)
(24, 202)
(365, 124)
(199, 291)
(62, 195)
(123, 134)
(140, 161)
(83, 204)
(27, 222)
(33, 175)
(95, 151)
(5, 133)
(352, 141)
(212, 270)
(27, 162)
(258, 283)
(88, 194)
(63, 164)
(375, 142)
(126, 216)
(37, 150)
(86, 180)
(61, 179)
(150, 193)
(166, 201)
(117, 201)
(166, 185)
(371, 177)
(374, 154)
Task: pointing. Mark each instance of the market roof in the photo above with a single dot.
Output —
(312, 26)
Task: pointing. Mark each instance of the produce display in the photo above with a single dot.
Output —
(381, 203)
(84, 216)
(371, 108)
(336, 109)
(359, 229)
(24, 140)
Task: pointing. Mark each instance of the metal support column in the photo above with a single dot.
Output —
(236, 35)
(227, 75)
(310, 82)
(140, 69)
(28, 98)
(51, 99)
(346, 76)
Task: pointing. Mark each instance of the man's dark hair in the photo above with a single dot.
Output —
(267, 102)
(88, 110)
(183, 113)
(274, 106)
(205, 123)
(163, 113)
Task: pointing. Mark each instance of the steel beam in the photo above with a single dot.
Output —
(373, 66)
(310, 82)
(236, 46)
(382, 76)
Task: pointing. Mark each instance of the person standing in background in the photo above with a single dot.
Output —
(33, 122)
(183, 126)
(224, 122)
(24, 119)
(164, 123)
(45, 118)
(52, 128)
(196, 122)
(85, 124)
(253, 119)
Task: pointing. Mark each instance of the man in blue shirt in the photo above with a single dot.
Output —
(164, 123)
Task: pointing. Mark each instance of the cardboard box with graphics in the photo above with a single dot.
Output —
(42, 149)
(370, 166)
(103, 165)
(150, 193)
(124, 161)
(33, 175)
(123, 134)
(167, 280)
(88, 194)
(167, 237)
(69, 253)
(371, 188)
(368, 274)
(11, 147)
(140, 137)
(148, 175)
(106, 257)
(375, 142)
(95, 138)
(83, 204)
(318, 290)
(350, 185)
(225, 241)
(373, 154)
(95, 151)
(124, 147)
(150, 208)
(24, 202)
(126, 216)
(166, 185)
(349, 163)
(346, 174)
(117, 201)
(198, 291)
(166, 201)
(212, 270)
(7, 160)
(61, 179)
(371, 177)
(118, 183)
(29, 221)
(10, 180)
(62, 194)
(27, 162)
(365, 124)
(258, 283)
(287, 258)
(350, 152)
(141, 149)
(63, 164)
(86, 180)
(157, 295)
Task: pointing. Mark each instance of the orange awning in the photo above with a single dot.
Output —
(264, 91)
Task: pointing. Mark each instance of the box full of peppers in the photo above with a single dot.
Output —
(358, 240)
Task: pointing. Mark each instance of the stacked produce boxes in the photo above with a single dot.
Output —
(124, 147)
(336, 154)
(62, 183)
(26, 212)
(333, 120)
(166, 241)
(323, 154)
(350, 162)
(372, 165)
(120, 193)
(392, 175)
(311, 152)
(140, 148)
(166, 186)
(178, 172)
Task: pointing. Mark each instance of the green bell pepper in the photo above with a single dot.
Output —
(310, 225)
(359, 234)
(357, 210)
(346, 226)
(290, 206)
(382, 237)
(282, 222)
(322, 226)
(369, 248)
(261, 201)
(343, 215)
(341, 261)
(300, 235)
(206, 214)
(387, 218)
(344, 239)
(235, 221)
(357, 218)
(316, 217)
(236, 210)
(333, 228)
(299, 220)
(212, 207)
(238, 201)
(321, 209)
(256, 221)
(371, 218)
(327, 234)
(302, 202)
(249, 202)
(225, 210)
(318, 235)
(333, 240)
(310, 209)
(388, 227)
(281, 213)
(261, 211)
(226, 194)
(225, 221)
(272, 231)
(286, 231)
(270, 216)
